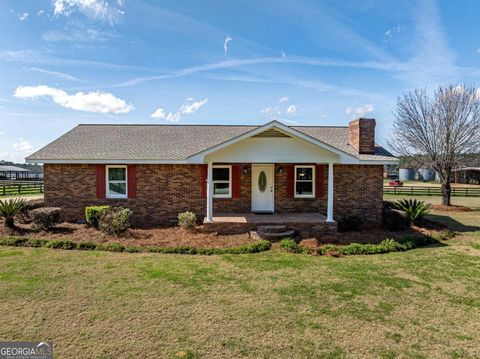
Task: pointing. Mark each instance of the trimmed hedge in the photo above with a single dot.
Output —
(386, 246)
(93, 213)
(256, 247)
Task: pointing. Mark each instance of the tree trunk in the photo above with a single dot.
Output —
(446, 190)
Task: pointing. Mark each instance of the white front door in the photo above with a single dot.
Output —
(262, 188)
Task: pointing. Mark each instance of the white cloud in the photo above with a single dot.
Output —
(23, 16)
(101, 9)
(159, 114)
(22, 145)
(388, 35)
(40, 12)
(360, 111)
(281, 112)
(2, 133)
(283, 54)
(225, 43)
(291, 110)
(91, 102)
(57, 74)
(187, 108)
(191, 107)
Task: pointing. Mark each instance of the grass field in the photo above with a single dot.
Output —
(423, 303)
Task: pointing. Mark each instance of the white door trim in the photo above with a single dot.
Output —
(271, 206)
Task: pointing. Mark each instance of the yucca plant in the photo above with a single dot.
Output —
(413, 209)
(9, 209)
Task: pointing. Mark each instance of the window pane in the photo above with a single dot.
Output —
(221, 174)
(117, 189)
(304, 173)
(221, 188)
(117, 174)
(305, 188)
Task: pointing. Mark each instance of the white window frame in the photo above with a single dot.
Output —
(313, 182)
(229, 195)
(107, 187)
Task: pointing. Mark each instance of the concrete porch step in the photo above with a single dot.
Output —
(271, 236)
(272, 229)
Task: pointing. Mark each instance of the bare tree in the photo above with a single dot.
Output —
(442, 129)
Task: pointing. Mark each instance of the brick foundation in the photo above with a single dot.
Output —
(165, 190)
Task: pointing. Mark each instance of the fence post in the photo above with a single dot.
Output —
(19, 188)
(4, 190)
(466, 192)
(41, 188)
(411, 190)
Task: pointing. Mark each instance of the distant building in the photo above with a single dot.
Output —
(13, 173)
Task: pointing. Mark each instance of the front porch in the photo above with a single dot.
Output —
(306, 225)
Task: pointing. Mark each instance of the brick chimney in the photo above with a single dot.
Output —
(361, 135)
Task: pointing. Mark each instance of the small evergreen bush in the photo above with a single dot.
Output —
(290, 245)
(111, 247)
(87, 246)
(414, 209)
(93, 213)
(115, 221)
(9, 208)
(60, 244)
(45, 218)
(187, 220)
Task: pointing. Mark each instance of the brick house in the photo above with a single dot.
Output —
(229, 175)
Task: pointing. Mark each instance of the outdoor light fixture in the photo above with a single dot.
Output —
(280, 169)
(245, 170)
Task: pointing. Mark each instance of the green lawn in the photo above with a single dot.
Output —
(424, 303)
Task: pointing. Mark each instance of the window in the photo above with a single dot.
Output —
(221, 180)
(304, 181)
(116, 181)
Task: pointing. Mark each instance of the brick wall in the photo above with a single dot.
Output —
(165, 190)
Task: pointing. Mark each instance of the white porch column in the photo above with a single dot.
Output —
(209, 193)
(330, 193)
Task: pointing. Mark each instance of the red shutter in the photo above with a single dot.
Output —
(132, 181)
(203, 176)
(101, 181)
(319, 181)
(236, 173)
(290, 171)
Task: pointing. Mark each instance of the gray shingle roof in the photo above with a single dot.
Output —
(169, 142)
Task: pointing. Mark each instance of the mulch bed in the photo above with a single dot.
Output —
(451, 208)
(160, 237)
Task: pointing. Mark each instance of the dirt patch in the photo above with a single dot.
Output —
(161, 237)
(452, 208)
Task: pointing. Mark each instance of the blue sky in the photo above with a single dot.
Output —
(65, 62)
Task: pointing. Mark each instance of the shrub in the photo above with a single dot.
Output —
(115, 221)
(413, 209)
(290, 245)
(187, 220)
(36, 242)
(13, 241)
(59, 244)
(256, 247)
(111, 247)
(45, 218)
(87, 246)
(386, 246)
(395, 220)
(93, 213)
(9, 209)
(24, 215)
(132, 249)
(350, 223)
